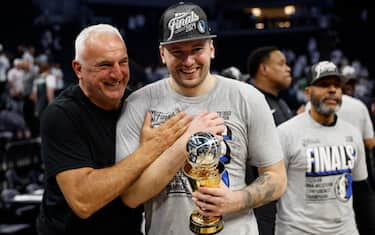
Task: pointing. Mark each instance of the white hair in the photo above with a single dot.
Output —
(87, 32)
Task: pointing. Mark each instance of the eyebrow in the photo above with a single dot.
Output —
(105, 61)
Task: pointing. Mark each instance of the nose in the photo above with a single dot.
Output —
(116, 71)
(333, 88)
(288, 68)
(188, 60)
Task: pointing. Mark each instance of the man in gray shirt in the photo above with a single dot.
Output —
(186, 47)
(323, 156)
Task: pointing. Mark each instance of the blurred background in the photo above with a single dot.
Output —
(37, 40)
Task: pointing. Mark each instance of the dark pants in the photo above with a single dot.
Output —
(265, 216)
(364, 207)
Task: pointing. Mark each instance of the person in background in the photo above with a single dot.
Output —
(234, 73)
(43, 93)
(354, 111)
(323, 155)
(270, 74)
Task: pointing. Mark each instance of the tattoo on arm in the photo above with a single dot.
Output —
(260, 192)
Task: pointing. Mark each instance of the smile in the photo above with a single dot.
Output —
(189, 71)
(116, 83)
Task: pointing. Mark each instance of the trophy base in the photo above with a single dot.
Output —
(205, 225)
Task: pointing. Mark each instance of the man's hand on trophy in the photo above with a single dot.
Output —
(216, 201)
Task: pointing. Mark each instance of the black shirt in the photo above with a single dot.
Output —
(279, 108)
(76, 133)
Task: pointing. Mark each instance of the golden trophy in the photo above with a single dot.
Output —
(203, 169)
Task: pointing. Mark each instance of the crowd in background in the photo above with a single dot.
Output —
(33, 74)
(30, 79)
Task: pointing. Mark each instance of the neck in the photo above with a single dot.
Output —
(265, 86)
(108, 106)
(325, 120)
(207, 84)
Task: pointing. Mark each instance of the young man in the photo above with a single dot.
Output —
(186, 47)
(78, 130)
(271, 74)
(324, 155)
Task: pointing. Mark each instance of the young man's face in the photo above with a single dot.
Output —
(325, 95)
(188, 62)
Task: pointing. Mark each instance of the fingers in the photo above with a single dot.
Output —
(147, 120)
(208, 205)
(146, 131)
(173, 120)
(207, 122)
(176, 125)
(173, 128)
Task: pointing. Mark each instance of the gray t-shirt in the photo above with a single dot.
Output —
(356, 113)
(321, 161)
(254, 141)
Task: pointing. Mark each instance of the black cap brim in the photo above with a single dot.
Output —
(188, 39)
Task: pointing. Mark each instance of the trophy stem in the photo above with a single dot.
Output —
(207, 177)
(206, 225)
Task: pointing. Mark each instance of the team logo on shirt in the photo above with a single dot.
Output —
(157, 118)
(343, 188)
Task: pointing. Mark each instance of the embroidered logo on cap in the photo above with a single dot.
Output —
(184, 22)
(324, 67)
(202, 26)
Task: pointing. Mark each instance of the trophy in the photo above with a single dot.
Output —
(203, 169)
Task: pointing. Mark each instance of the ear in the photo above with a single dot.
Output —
(262, 69)
(212, 49)
(77, 67)
(308, 92)
(162, 56)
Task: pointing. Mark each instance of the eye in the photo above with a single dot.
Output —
(176, 53)
(124, 61)
(103, 65)
(197, 49)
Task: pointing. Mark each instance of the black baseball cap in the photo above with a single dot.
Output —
(322, 70)
(183, 22)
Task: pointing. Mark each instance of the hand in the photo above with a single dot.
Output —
(207, 122)
(168, 132)
(216, 201)
(301, 109)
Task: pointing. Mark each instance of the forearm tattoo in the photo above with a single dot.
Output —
(261, 192)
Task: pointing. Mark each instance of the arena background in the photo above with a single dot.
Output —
(50, 26)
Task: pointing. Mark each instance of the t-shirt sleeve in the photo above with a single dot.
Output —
(264, 145)
(284, 140)
(128, 131)
(63, 143)
(367, 127)
(359, 171)
(51, 81)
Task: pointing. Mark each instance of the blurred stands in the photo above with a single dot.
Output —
(42, 32)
